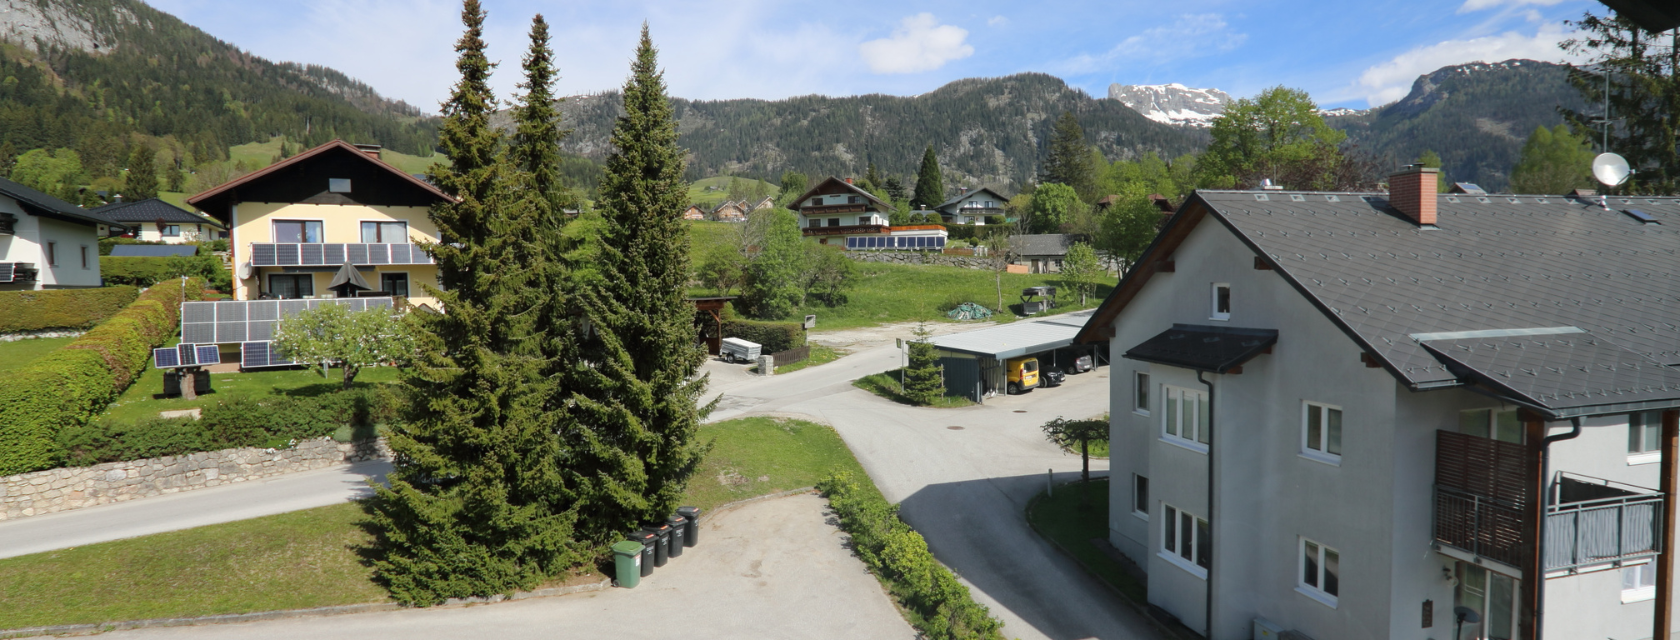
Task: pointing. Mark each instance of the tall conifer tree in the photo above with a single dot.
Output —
(930, 186)
(535, 147)
(633, 413)
(1069, 159)
(478, 504)
(141, 182)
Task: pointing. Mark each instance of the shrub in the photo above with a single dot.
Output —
(69, 386)
(145, 272)
(775, 337)
(943, 608)
(62, 308)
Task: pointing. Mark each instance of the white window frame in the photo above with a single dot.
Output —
(1140, 393)
(1649, 453)
(1213, 302)
(165, 231)
(1172, 545)
(1322, 453)
(274, 231)
(407, 239)
(1493, 423)
(1174, 423)
(1317, 592)
(1639, 593)
(1140, 504)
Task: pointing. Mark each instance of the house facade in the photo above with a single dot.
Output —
(1041, 252)
(694, 212)
(47, 243)
(295, 223)
(730, 211)
(836, 212)
(153, 220)
(1348, 415)
(973, 206)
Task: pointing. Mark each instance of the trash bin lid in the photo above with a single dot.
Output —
(643, 535)
(688, 512)
(628, 547)
(676, 521)
(659, 528)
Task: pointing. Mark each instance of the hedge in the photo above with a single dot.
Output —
(61, 308)
(941, 607)
(274, 421)
(775, 337)
(146, 271)
(67, 387)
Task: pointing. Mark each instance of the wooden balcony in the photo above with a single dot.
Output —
(823, 210)
(288, 254)
(848, 230)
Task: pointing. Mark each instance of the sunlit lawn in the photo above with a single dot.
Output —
(14, 355)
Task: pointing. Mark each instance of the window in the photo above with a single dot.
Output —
(1321, 572)
(1321, 432)
(853, 199)
(817, 201)
(1645, 437)
(52, 254)
(1140, 496)
(1221, 302)
(833, 222)
(1184, 421)
(1186, 540)
(1639, 583)
(338, 185)
(84, 257)
(395, 284)
(1140, 394)
(816, 222)
(385, 232)
(291, 286)
(297, 231)
(171, 231)
(1491, 423)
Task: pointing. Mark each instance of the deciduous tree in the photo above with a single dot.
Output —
(1644, 70)
(1080, 433)
(773, 288)
(1053, 205)
(332, 334)
(1554, 162)
(1080, 271)
(1278, 135)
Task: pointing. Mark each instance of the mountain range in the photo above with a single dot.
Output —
(1172, 103)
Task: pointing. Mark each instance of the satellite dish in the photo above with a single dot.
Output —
(244, 270)
(1610, 169)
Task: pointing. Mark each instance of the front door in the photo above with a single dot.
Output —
(1493, 598)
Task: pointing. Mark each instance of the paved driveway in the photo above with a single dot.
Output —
(772, 569)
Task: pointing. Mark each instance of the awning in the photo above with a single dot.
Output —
(1205, 348)
(1562, 375)
(348, 278)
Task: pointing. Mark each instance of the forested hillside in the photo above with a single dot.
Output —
(989, 131)
(96, 76)
(1476, 116)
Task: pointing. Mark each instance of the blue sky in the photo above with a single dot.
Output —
(1353, 54)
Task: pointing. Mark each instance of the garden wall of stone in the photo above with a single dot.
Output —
(912, 257)
(55, 490)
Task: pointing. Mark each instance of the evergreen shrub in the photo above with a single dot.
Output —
(775, 337)
(61, 308)
(67, 387)
(147, 271)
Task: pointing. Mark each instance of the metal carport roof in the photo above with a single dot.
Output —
(1017, 339)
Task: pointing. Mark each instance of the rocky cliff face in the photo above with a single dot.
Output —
(35, 25)
(1172, 103)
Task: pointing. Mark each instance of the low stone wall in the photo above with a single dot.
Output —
(913, 257)
(55, 490)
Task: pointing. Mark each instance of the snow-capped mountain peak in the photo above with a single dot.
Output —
(1172, 103)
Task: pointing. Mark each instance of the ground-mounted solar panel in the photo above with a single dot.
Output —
(207, 354)
(197, 332)
(257, 355)
(356, 304)
(260, 310)
(293, 307)
(166, 358)
(231, 311)
(260, 330)
(228, 332)
(198, 312)
(186, 355)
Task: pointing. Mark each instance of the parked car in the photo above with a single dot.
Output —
(1022, 374)
(1051, 377)
(1082, 364)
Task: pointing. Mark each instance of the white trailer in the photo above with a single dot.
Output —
(738, 350)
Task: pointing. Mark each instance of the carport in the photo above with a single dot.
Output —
(973, 360)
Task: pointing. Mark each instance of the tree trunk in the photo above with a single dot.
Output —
(349, 376)
(1085, 461)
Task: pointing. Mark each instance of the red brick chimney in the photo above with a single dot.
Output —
(373, 150)
(1412, 192)
(848, 180)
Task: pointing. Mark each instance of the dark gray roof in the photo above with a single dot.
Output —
(1490, 263)
(152, 210)
(965, 195)
(153, 250)
(1204, 348)
(40, 204)
(1563, 371)
(1044, 244)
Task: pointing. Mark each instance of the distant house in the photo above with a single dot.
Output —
(694, 212)
(766, 203)
(1041, 253)
(972, 207)
(47, 243)
(153, 220)
(730, 211)
(837, 212)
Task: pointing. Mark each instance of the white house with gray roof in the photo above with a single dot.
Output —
(1352, 415)
(973, 206)
(47, 243)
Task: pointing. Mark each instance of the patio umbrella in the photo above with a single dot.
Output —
(347, 281)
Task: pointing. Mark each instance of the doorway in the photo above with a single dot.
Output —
(1493, 596)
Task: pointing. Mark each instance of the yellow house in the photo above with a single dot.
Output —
(297, 222)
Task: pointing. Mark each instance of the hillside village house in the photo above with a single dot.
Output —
(839, 213)
(730, 211)
(1348, 414)
(153, 220)
(295, 223)
(1041, 252)
(694, 212)
(972, 207)
(47, 243)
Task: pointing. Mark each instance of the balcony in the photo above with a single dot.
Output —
(284, 254)
(17, 272)
(855, 229)
(1599, 522)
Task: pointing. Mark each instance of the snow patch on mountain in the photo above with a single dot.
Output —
(1172, 103)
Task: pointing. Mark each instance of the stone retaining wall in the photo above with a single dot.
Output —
(54, 490)
(41, 333)
(913, 257)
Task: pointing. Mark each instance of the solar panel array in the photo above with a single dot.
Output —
(256, 355)
(894, 243)
(186, 355)
(315, 254)
(232, 321)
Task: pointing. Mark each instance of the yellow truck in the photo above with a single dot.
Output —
(1022, 374)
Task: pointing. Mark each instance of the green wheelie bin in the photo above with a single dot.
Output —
(627, 563)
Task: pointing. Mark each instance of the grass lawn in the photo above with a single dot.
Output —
(1063, 520)
(138, 401)
(14, 355)
(307, 558)
(886, 385)
(819, 355)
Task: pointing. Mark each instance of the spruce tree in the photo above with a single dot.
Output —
(632, 413)
(478, 503)
(142, 181)
(923, 380)
(535, 145)
(1069, 159)
(930, 187)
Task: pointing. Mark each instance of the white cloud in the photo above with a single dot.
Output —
(919, 44)
(1478, 5)
(1390, 81)
(997, 21)
(1160, 44)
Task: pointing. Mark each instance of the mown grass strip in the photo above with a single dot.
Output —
(1071, 518)
(887, 386)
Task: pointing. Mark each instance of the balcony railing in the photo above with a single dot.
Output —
(286, 254)
(17, 272)
(1483, 526)
(1600, 522)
